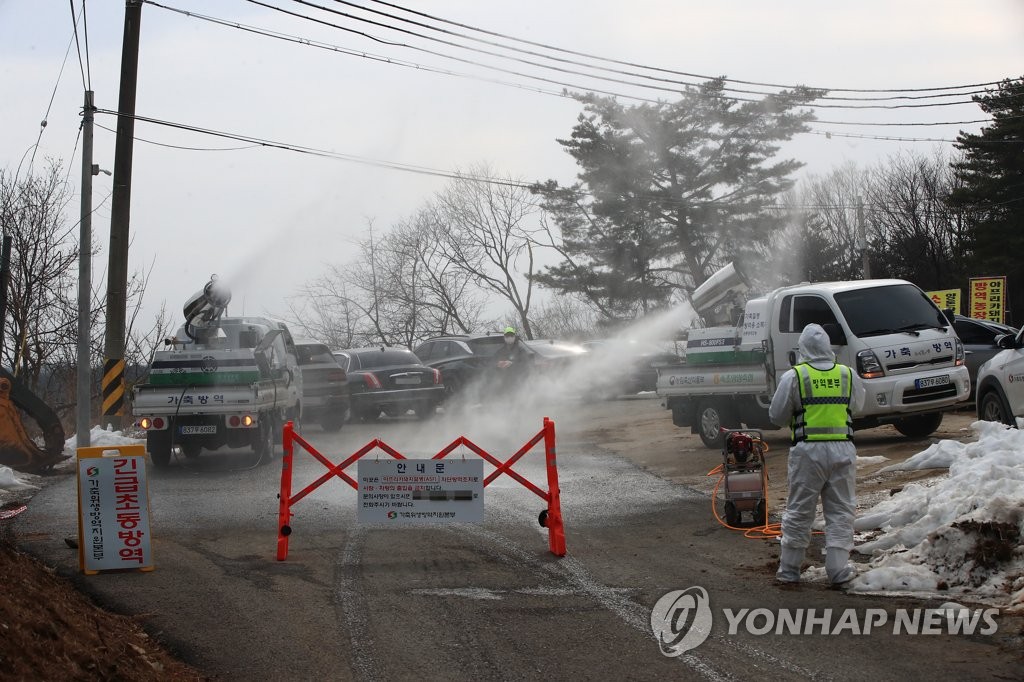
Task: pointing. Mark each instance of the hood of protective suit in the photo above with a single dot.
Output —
(814, 345)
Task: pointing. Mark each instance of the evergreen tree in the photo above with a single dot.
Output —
(668, 192)
(992, 191)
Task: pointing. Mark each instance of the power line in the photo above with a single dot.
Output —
(451, 175)
(680, 73)
(176, 146)
(78, 47)
(85, 30)
(612, 61)
(577, 88)
(528, 62)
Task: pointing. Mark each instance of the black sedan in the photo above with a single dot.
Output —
(389, 380)
(979, 339)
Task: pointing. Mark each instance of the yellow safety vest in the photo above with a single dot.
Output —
(824, 412)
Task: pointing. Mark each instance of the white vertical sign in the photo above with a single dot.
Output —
(113, 506)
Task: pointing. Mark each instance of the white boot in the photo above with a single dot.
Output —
(838, 566)
(789, 564)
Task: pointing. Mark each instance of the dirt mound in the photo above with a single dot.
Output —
(50, 631)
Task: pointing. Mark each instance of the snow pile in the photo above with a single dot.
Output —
(962, 534)
(10, 481)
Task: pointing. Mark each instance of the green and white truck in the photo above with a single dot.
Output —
(220, 382)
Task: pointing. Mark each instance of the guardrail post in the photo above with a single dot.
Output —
(284, 513)
(556, 531)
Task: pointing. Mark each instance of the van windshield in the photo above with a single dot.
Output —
(893, 309)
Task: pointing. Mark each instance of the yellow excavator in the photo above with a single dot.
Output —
(17, 450)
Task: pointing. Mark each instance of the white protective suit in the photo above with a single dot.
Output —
(825, 469)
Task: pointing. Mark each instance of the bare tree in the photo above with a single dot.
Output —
(41, 309)
(916, 235)
(489, 235)
(565, 317)
(402, 288)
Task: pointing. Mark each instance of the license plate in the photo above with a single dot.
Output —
(932, 381)
(198, 430)
(407, 380)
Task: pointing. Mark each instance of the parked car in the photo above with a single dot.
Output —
(459, 345)
(460, 358)
(630, 366)
(979, 339)
(325, 398)
(1000, 391)
(390, 380)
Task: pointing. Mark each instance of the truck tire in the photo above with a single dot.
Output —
(992, 408)
(712, 417)
(158, 444)
(920, 425)
(263, 439)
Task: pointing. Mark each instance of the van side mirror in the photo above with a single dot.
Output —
(949, 314)
(836, 336)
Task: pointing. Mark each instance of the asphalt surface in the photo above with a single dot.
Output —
(472, 602)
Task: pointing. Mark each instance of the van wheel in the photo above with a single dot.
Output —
(992, 409)
(920, 425)
(712, 417)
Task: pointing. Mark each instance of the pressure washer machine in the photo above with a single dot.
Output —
(745, 478)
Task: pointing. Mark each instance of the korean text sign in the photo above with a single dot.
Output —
(420, 491)
(113, 509)
(946, 298)
(988, 298)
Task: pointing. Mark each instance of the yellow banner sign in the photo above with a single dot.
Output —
(946, 298)
(988, 298)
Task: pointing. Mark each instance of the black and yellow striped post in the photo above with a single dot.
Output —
(113, 388)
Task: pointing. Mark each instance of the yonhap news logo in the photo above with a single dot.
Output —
(681, 620)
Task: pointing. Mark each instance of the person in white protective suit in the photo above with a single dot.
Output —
(816, 399)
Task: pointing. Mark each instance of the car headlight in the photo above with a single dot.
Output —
(868, 366)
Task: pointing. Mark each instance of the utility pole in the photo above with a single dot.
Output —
(5, 284)
(862, 242)
(120, 211)
(84, 411)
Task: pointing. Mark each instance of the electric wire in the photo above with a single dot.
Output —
(680, 73)
(451, 175)
(783, 96)
(78, 47)
(177, 146)
(603, 59)
(579, 89)
(85, 32)
(49, 106)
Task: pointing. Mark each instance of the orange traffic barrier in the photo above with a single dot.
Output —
(550, 518)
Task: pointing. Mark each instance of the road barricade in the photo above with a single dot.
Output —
(550, 518)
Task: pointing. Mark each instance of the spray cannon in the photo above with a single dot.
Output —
(722, 288)
(204, 309)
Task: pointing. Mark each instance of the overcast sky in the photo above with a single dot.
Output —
(268, 220)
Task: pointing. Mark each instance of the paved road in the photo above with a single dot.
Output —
(476, 601)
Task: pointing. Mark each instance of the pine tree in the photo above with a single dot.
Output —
(992, 190)
(668, 192)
